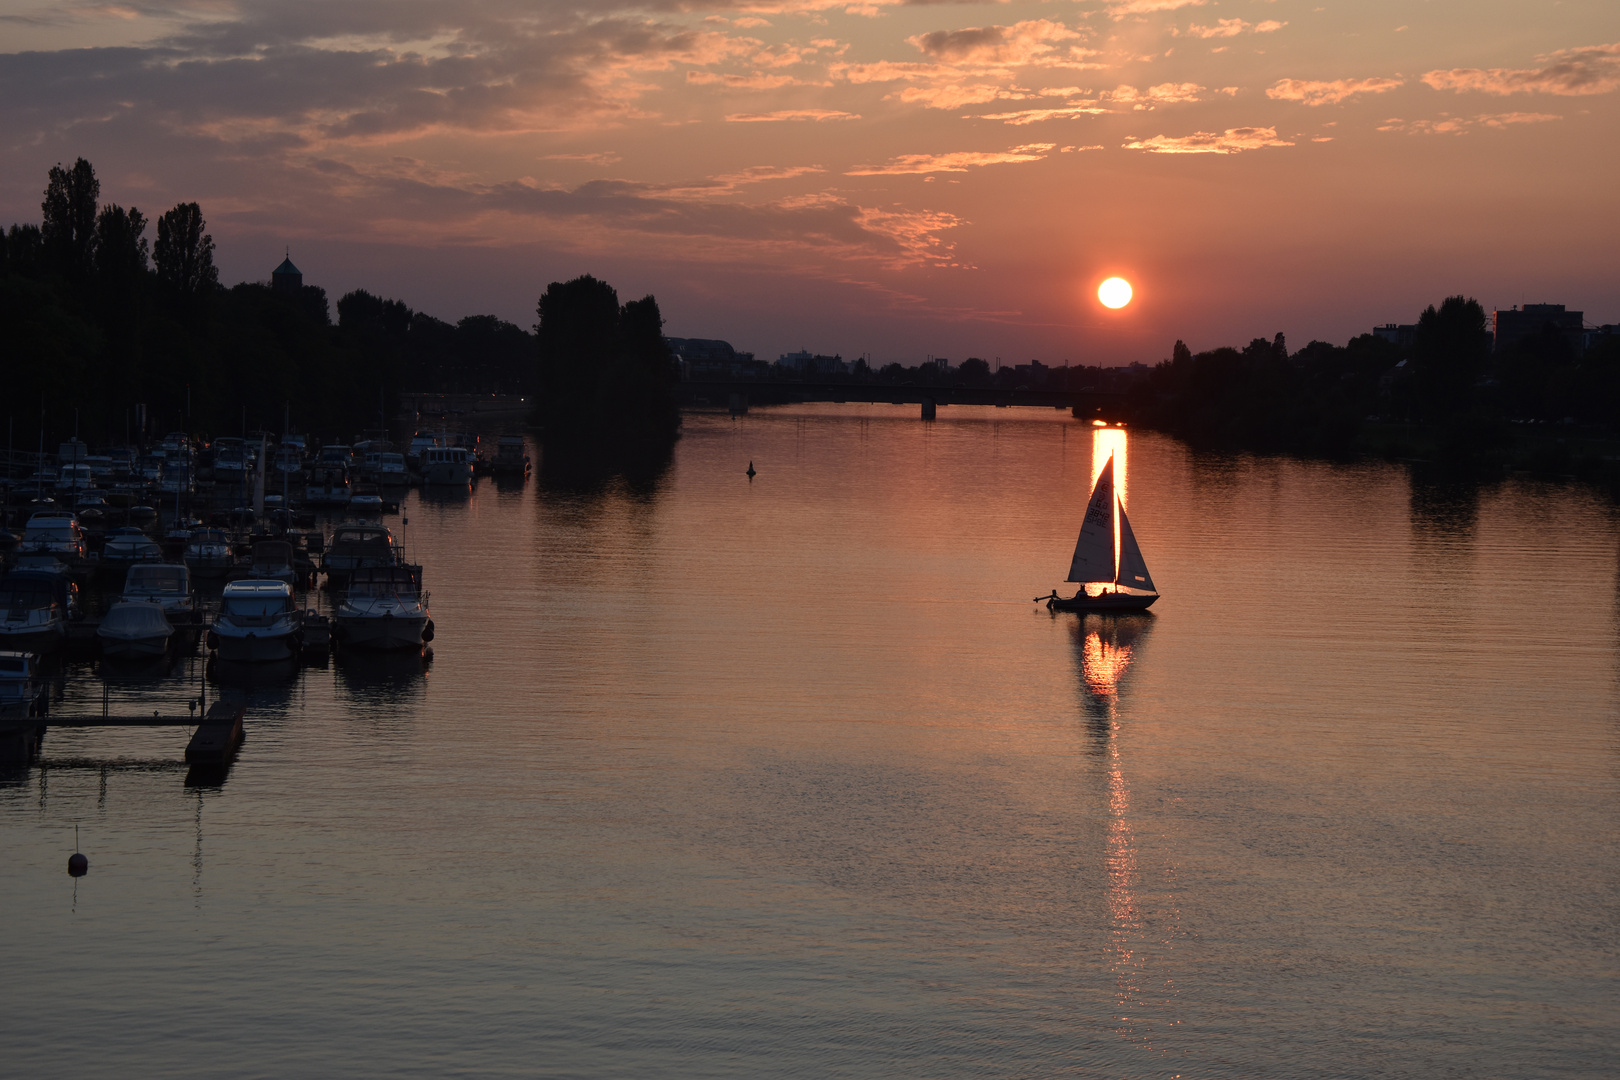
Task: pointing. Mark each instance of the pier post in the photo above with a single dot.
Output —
(928, 408)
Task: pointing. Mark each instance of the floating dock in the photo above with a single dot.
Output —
(219, 731)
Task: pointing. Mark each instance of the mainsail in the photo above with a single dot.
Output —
(1094, 551)
(1133, 571)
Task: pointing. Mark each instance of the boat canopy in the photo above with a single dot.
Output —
(134, 619)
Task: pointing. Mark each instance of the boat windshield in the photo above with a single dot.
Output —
(248, 606)
(25, 594)
(167, 579)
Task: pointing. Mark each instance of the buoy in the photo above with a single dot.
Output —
(750, 470)
(78, 865)
(427, 631)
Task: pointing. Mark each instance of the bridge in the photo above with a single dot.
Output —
(738, 395)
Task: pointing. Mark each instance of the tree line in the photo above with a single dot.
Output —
(1448, 396)
(96, 316)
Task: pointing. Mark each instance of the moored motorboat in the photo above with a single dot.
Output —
(127, 546)
(447, 465)
(1107, 562)
(35, 609)
(257, 622)
(55, 533)
(385, 608)
(358, 546)
(164, 584)
(273, 561)
(134, 630)
(20, 684)
(208, 553)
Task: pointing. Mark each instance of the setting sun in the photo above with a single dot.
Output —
(1114, 293)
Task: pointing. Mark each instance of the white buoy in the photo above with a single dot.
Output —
(78, 865)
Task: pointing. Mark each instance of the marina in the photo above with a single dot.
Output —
(194, 570)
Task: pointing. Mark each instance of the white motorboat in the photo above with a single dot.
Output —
(357, 546)
(449, 465)
(1107, 562)
(164, 584)
(127, 546)
(35, 608)
(208, 553)
(273, 561)
(257, 622)
(385, 608)
(328, 485)
(421, 443)
(20, 684)
(134, 630)
(55, 533)
(390, 470)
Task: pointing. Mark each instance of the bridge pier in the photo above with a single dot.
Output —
(927, 408)
(739, 404)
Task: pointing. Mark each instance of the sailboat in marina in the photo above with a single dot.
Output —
(1107, 563)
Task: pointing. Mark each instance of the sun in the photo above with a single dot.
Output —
(1114, 293)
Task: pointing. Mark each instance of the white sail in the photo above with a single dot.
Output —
(1133, 571)
(1094, 551)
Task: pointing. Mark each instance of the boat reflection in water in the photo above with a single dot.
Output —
(1143, 917)
(383, 678)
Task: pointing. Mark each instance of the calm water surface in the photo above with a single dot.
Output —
(790, 778)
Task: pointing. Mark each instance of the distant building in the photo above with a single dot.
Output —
(806, 363)
(1595, 335)
(1513, 326)
(711, 358)
(1401, 334)
(287, 278)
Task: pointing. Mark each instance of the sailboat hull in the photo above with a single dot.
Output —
(1106, 602)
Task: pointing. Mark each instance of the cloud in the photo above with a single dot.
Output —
(755, 80)
(1461, 125)
(1312, 92)
(1162, 94)
(1225, 28)
(951, 96)
(1019, 45)
(1232, 141)
(962, 161)
(1593, 69)
(1034, 116)
(1122, 8)
(791, 114)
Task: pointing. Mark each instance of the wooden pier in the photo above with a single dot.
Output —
(219, 731)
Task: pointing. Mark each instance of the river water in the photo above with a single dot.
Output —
(788, 777)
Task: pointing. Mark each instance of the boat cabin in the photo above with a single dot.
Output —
(253, 598)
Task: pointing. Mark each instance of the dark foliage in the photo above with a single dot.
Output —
(93, 320)
(606, 376)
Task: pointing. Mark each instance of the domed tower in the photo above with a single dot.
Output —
(287, 278)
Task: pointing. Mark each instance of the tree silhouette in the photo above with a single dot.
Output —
(184, 253)
(69, 223)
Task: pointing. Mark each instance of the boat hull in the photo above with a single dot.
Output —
(1105, 602)
(255, 648)
(384, 633)
(35, 638)
(134, 648)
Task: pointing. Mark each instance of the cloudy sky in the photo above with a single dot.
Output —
(893, 178)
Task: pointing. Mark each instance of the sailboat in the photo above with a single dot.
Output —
(1112, 577)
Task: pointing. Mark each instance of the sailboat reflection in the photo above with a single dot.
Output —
(1105, 649)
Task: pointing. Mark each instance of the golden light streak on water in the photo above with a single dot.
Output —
(1106, 442)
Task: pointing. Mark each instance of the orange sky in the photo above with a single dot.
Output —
(902, 179)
